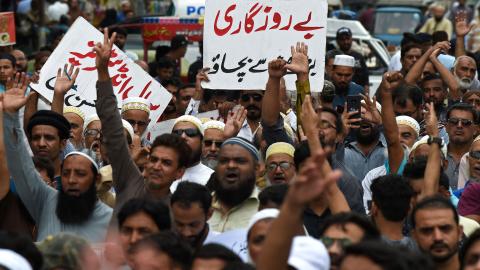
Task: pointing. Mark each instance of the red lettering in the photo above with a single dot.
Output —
(301, 25)
(249, 21)
(287, 27)
(223, 31)
(145, 89)
(277, 19)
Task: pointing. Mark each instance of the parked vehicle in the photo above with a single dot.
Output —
(376, 54)
(392, 22)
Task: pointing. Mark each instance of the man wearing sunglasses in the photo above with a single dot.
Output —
(212, 141)
(136, 111)
(462, 128)
(252, 101)
(191, 130)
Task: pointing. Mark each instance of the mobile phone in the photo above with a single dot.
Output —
(354, 105)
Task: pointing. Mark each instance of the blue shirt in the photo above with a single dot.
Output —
(353, 89)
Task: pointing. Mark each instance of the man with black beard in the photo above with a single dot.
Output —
(438, 22)
(191, 208)
(235, 197)
(368, 150)
(75, 208)
(190, 129)
(342, 75)
(252, 101)
(437, 231)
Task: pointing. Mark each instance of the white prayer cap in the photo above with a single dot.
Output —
(136, 103)
(213, 124)
(90, 119)
(424, 140)
(408, 121)
(308, 253)
(75, 110)
(344, 60)
(261, 215)
(12, 260)
(84, 154)
(190, 119)
(128, 127)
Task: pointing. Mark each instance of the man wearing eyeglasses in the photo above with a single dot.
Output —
(280, 165)
(191, 130)
(252, 101)
(462, 128)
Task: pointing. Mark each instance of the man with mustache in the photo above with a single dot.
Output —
(191, 208)
(212, 141)
(462, 128)
(235, 199)
(279, 163)
(170, 112)
(190, 129)
(168, 155)
(437, 231)
(464, 70)
(75, 207)
(342, 74)
(438, 22)
(252, 101)
(368, 150)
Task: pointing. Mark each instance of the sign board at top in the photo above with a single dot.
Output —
(189, 8)
(242, 37)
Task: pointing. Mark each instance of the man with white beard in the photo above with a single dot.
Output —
(464, 70)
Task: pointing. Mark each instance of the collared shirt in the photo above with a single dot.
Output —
(452, 171)
(359, 163)
(246, 132)
(236, 217)
(199, 174)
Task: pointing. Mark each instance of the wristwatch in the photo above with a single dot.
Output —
(436, 140)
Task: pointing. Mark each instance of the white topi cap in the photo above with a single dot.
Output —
(344, 60)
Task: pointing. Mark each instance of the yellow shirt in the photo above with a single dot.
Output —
(431, 26)
(235, 218)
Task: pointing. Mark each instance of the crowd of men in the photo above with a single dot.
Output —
(323, 182)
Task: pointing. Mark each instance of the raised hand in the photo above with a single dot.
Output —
(104, 51)
(431, 121)
(371, 106)
(234, 122)
(65, 79)
(310, 118)
(443, 46)
(310, 182)
(461, 24)
(14, 97)
(299, 63)
(276, 68)
(390, 81)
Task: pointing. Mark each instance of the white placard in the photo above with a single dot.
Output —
(128, 79)
(241, 37)
(235, 240)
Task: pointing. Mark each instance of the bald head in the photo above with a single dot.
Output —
(21, 60)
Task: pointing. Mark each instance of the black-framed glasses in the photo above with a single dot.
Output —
(247, 97)
(139, 123)
(208, 143)
(190, 132)
(474, 154)
(328, 241)
(92, 133)
(455, 121)
(284, 165)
